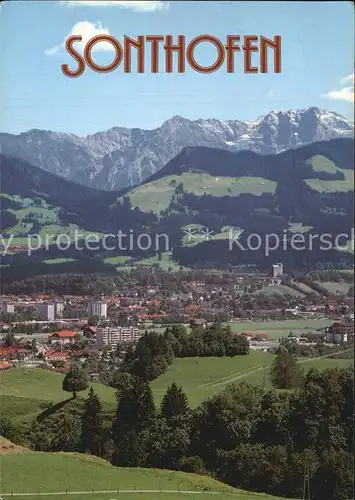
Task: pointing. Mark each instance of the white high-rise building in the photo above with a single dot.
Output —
(7, 308)
(59, 308)
(98, 308)
(117, 335)
(277, 270)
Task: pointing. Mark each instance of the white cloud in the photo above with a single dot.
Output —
(344, 94)
(347, 79)
(87, 30)
(136, 5)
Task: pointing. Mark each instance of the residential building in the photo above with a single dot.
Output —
(198, 323)
(45, 311)
(115, 336)
(63, 337)
(55, 356)
(97, 308)
(340, 332)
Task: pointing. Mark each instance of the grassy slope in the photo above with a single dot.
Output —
(202, 378)
(35, 383)
(46, 215)
(26, 392)
(335, 287)
(58, 472)
(156, 196)
(58, 261)
(322, 164)
(165, 263)
(278, 290)
(261, 378)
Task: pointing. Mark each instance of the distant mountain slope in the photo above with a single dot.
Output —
(222, 163)
(204, 193)
(122, 157)
(33, 201)
(211, 192)
(295, 184)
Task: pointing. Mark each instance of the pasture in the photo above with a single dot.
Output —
(278, 329)
(50, 474)
(202, 378)
(156, 196)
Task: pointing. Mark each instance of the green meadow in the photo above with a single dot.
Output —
(26, 392)
(54, 473)
(156, 196)
(278, 329)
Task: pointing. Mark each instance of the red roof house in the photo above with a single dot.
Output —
(63, 337)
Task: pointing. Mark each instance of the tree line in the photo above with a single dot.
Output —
(154, 352)
(246, 436)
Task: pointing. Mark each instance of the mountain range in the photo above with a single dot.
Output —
(121, 157)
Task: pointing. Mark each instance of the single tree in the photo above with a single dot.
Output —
(75, 380)
(93, 320)
(285, 372)
(92, 425)
(174, 402)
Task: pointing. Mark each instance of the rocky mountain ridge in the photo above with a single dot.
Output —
(122, 157)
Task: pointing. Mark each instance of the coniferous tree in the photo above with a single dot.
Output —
(92, 425)
(174, 402)
(135, 411)
(285, 372)
(67, 435)
(75, 380)
(9, 340)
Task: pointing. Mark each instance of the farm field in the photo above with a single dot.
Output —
(26, 392)
(35, 472)
(320, 163)
(275, 329)
(36, 383)
(156, 196)
(202, 378)
(261, 378)
(164, 262)
(278, 329)
(58, 261)
(336, 288)
(325, 186)
(278, 290)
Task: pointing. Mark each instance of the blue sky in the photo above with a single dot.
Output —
(317, 63)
